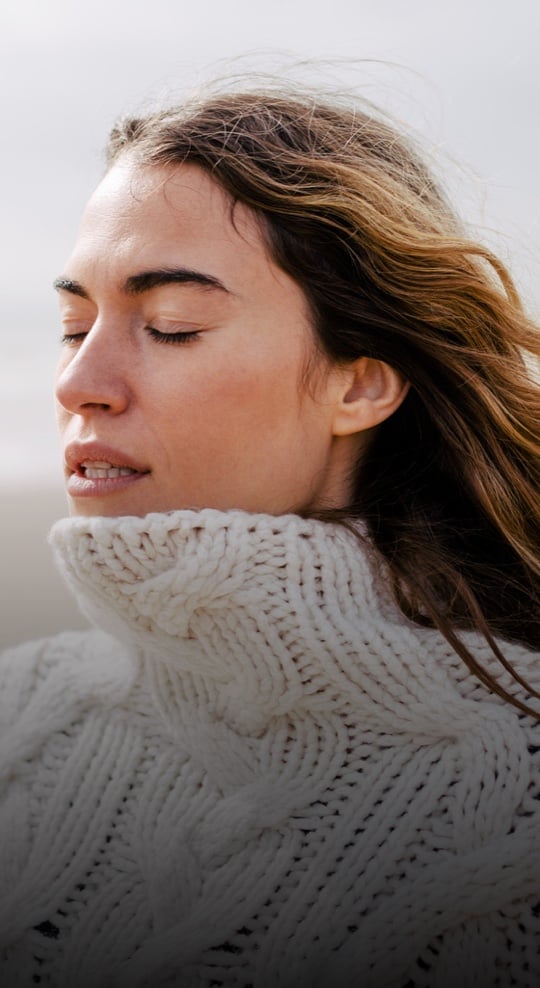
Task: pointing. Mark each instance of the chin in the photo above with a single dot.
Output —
(105, 508)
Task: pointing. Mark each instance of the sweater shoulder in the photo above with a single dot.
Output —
(77, 665)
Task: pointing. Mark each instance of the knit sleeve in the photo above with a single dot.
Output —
(21, 669)
(43, 682)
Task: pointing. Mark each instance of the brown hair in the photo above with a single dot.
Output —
(449, 486)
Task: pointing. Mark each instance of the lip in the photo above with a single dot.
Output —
(78, 485)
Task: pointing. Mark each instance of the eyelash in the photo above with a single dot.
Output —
(69, 339)
(185, 337)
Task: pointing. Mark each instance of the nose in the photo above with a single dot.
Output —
(93, 375)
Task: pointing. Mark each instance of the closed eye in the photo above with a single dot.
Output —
(70, 339)
(177, 337)
(75, 328)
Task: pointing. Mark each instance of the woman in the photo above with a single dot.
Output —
(301, 443)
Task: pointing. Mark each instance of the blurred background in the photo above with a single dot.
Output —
(465, 75)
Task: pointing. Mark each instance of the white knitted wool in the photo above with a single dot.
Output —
(266, 777)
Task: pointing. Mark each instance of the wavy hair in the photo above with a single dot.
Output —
(449, 486)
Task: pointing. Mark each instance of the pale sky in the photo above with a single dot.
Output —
(469, 80)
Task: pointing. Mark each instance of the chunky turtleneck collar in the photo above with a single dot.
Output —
(259, 616)
(273, 759)
(158, 572)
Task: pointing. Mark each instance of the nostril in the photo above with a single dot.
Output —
(81, 391)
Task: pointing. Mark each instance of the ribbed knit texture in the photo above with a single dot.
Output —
(258, 773)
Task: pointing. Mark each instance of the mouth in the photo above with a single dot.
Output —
(102, 470)
(94, 470)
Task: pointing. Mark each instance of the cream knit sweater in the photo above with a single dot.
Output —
(260, 775)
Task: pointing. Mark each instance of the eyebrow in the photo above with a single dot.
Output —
(71, 286)
(144, 282)
(138, 284)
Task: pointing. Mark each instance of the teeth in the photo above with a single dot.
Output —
(101, 470)
(95, 473)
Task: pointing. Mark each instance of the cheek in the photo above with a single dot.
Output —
(249, 392)
(227, 423)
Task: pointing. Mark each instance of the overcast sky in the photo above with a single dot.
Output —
(469, 79)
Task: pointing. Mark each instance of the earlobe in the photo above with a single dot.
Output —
(372, 391)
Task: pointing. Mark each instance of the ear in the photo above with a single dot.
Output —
(370, 392)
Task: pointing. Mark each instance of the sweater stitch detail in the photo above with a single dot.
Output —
(265, 743)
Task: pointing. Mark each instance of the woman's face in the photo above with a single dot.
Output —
(181, 378)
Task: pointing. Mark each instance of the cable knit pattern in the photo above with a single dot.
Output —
(258, 773)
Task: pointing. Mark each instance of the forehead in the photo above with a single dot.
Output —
(142, 217)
